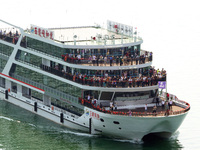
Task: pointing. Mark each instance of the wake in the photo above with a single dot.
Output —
(80, 134)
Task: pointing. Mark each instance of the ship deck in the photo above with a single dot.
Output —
(160, 111)
(178, 107)
(150, 109)
(90, 35)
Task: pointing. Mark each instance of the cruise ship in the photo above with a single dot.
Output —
(93, 79)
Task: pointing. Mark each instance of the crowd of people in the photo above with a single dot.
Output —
(10, 36)
(118, 60)
(107, 80)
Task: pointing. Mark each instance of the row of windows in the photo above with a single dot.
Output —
(2, 63)
(48, 81)
(31, 93)
(6, 50)
(44, 47)
(85, 53)
(30, 58)
(66, 106)
(37, 61)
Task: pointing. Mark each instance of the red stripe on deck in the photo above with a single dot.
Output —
(22, 82)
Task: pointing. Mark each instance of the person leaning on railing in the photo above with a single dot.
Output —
(106, 81)
(99, 59)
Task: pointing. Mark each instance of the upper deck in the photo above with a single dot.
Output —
(91, 35)
(138, 109)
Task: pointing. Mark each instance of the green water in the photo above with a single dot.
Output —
(22, 130)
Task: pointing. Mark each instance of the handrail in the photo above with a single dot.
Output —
(10, 39)
(87, 103)
(103, 82)
(142, 58)
(115, 61)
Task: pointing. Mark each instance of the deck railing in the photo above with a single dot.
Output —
(114, 61)
(182, 110)
(142, 58)
(10, 39)
(104, 82)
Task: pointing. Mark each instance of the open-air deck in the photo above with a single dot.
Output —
(101, 81)
(127, 59)
(91, 35)
(178, 107)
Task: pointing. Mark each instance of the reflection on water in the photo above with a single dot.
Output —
(21, 129)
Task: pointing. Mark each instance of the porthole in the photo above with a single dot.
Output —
(115, 122)
(120, 128)
(104, 126)
(101, 120)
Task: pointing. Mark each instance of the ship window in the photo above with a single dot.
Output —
(101, 120)
(131, 96)
(14, 87)
(2, 82)
(6, 50)
(115, 122)
(26, 92)
(36, 95)
(104, 126)
(106, 95)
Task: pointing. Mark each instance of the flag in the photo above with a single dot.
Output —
(162, 84)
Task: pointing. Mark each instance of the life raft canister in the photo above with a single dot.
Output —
(82, 101)
(52, 108)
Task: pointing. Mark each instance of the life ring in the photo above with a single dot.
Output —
(52, 108)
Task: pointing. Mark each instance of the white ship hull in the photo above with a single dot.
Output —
(127, 127)
(135, 128)
(70, 120)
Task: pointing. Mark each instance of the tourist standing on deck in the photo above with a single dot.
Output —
(154, 110)
(105, 60)
(79, 58)
(120, 60)
(111, 60)
(163, 104)
(166, 109)
(157, 100)
(170, 104)
(117, 60)
(130, 81)
(130, 113)
(88, 98)
(145, 108)
(93, 59)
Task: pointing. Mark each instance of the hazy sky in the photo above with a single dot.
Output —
(56, 13)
